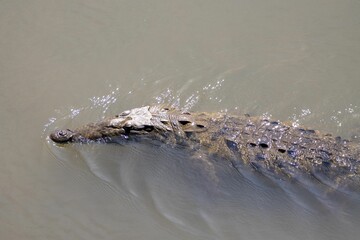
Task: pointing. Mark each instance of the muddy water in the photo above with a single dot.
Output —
(65, 63)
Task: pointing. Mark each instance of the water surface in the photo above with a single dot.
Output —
(67, 63)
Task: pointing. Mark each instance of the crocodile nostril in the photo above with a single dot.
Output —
(61, 136)
(62, 133)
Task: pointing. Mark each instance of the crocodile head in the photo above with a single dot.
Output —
(138, 121)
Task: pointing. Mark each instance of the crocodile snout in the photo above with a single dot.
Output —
(62, 136)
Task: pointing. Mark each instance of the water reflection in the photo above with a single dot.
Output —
(182, 195)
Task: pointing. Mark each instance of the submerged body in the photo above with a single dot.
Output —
(270, 147)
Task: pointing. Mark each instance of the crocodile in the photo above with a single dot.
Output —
(278, 149)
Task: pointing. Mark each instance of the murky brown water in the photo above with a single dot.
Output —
(65, 63)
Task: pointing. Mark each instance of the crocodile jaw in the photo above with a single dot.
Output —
(137, 121)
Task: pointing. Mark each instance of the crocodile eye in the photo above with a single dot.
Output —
(125, 113)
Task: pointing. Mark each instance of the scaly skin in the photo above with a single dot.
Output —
(270, 147)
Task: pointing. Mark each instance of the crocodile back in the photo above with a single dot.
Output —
(283, 150)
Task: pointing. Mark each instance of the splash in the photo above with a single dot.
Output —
(168, 97)
(339, 116)
(101, 102)
(192, 100)
(297, 118)
(215, 86)
(105, 101)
